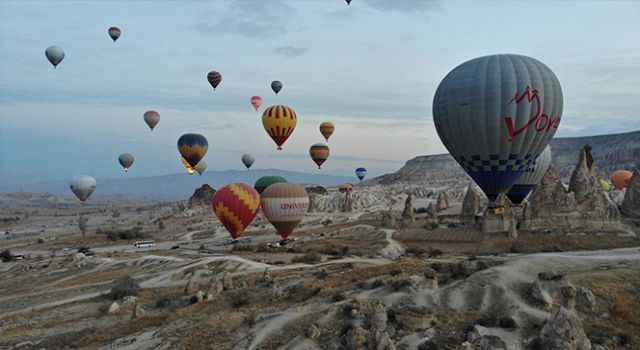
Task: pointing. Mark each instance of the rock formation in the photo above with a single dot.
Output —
(313, 332)
(390, 218)
(430, 279)
(407, 214)
(500, 219)
(138, 312)
(472, 205)
(202, 196)
(317, 190)
(443, 201)
(583, 176)
(432, 217)
(631, 203)
(215, 288)
(563, 331)
(227, 281)
(379, 318)
(362, 198)
(113, 308)
(192, 286)
(356, 338)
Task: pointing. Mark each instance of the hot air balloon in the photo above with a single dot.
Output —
(126, 160)
(361, 173)
(201, 167)
(496, 114)
(531, 177)
(348, 2)
(82, 186)
(326, 129)
(604, 185)
(151, 118)
(345, 188)
(256, 102)
(236, 205)
(214, 79)
(276, 86)
(248, 159)
(192, 147)
(265, 181)
(114, 33)
(284, 205)
(319, 152)
(279, 122)
(621, 178)
(55, 55)
(186, 165)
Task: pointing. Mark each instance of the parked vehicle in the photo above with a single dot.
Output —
(145, 244)
(86, 251)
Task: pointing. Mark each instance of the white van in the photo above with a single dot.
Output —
(145, 244)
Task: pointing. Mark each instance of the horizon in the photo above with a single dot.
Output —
(374, 74)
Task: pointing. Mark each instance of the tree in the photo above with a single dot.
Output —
(6, 256)
(124, 286)
(238, 298)
(82, 224)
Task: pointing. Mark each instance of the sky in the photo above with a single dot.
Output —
(371, 68)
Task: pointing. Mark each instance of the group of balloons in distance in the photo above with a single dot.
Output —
(284, 204)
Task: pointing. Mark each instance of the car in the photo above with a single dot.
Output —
(175, 247)
(86, 251)
(66, 249)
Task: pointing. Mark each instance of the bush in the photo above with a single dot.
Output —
(398, 285)
(310, 258)
(482, 265)
(551, 248)
(163, 302)
(395, 272)
(338, 297)
(377, 284)
(322, 274)
(516, 248)
(6, 256)
(40, 240)
(433, 253)
(238, 298)
(124, 286)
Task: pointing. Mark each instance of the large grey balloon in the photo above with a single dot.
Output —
(54, 54)
(495, 114)
(82, 186)
(126, 160)
(531, 177)
(276, 86)
(248, 159)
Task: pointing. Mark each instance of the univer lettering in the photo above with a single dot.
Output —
(294, 205)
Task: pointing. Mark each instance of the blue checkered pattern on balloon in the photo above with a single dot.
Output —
(495, 175)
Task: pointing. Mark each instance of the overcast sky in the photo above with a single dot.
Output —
(371, 68)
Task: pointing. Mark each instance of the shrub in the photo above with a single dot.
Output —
(434, 253)
(551, 248)
(482, 265)
(338, 297)
(238, 298)
(516, 248)
(322, 274)
(395, 272)
(6, 256)
(163, 301)
(124, 286)
(400, 284)
(310, 258)
(377, 284)
(40, 240)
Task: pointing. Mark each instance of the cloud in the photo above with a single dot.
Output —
(252, 19)
(406, 6)
(290, 51)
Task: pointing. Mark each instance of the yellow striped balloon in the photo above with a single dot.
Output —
(326, 129)
(279, 122)
(319, 152)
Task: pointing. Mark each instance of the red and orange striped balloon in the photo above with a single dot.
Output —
(236, 205)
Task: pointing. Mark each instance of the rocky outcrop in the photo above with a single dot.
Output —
(390, 218)
(113, 308)
(443, 201)
(317, 190)
(356, 338)
(584, 207)
(631, 203)
(379, 318)
(408, 219)
(500, 219)
(472, 205)
(227, 282)
(215, 288)
(276, 291)
(361, 198)
(202, 196)
(564, 331)
(585, 299)
(432, 216)
(192, 286)
(313, 332)
(430, 279)
(138, 312)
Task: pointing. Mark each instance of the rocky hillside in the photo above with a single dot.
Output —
(610, 152)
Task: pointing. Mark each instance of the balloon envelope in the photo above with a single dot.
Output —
(265, 181)
(345, 188)
(284, 205)
(248, 160)
(604, 185)
(126, 160)
(279, 122)
(531, 177)
(114, 33)
(621, 178)
(201, 167)
(214, 78)
(54, 54)
(319, 152)
(495, 115)
(256, 102)
(192, 147)
(326, 129)
(82, 186)
(361, 173)
(276, 86)
(151, 118)
(236, 205)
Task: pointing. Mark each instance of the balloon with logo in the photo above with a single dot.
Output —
(55, 55)
(495, 115)
(621, 178)
(279, 122)
(361, 173)
(248, 160)
(531, 178)
(236, 205)
(114, 33)
(284, 205)
(326, 129)
(192, 147)
(214, 79)
(152, 118)
(201, 167)
(319, 153)
(266, 181)
(82, 186)
(256, 102)
(126, 160)
(186, 165)
(276, 86)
